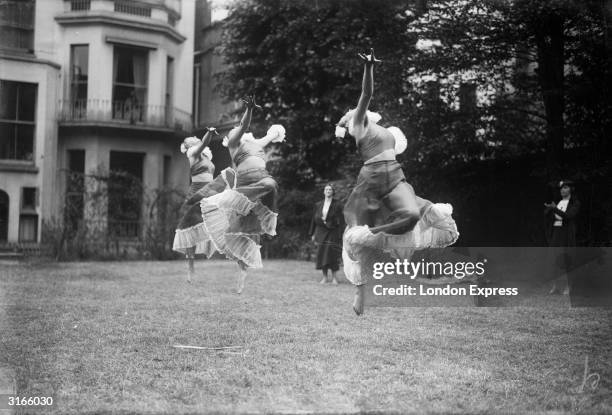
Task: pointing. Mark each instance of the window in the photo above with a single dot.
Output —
(125, 194)
(28, 219)
(169, 89)
(28, 199)
(164, 213)
(130, 67)
(75, 189)
(79, 70)
(4, 215)
(28, 228)
(17, 112)
(171, 20)
(167, 164)
(17, 25)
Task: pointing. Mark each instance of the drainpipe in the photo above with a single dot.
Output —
(196, 104)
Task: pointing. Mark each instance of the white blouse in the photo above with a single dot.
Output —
(562, 206)
(325, 210)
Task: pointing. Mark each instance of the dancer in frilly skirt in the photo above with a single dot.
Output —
(236, 218)
(189, 238)
(384, 217)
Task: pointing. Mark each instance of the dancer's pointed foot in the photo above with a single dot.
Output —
(323, 280)
(241, 279)
(189, 277)
(358, 302)
(566, 291)
(334, 281)
(553, 290)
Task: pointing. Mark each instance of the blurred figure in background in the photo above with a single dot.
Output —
(561, 232)
(326, 229)
(189, 238)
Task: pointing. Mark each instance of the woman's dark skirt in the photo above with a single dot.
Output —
(328, 254)
(190, 232)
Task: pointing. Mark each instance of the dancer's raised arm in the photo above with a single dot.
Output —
(198, 148)
(367, 88)
(234, 136)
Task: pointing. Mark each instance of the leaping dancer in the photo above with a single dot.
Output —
(188, 237)
(383, 215)
(236, 218)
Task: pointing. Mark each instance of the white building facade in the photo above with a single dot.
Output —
(89, 86)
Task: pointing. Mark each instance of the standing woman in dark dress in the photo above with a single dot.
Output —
(561, 229)
(326, 230)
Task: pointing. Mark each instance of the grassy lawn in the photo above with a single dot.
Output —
(99, 336)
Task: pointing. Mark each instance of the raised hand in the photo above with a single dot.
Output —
(212, 130)
(369, 59)
(249, 100)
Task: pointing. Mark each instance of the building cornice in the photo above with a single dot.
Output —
(110, 125)
(131, 42)
(18, 167)
(113, 19)
(212, 26)
(28, 58)
(204, 51)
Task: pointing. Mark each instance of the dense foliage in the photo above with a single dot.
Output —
(471, 82)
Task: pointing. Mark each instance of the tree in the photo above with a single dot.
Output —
(497, 82)
(532, 62)
(300, 59)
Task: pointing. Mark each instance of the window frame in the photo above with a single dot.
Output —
(35, 218)
(124, 109)
(23, 27)
(79, 105)
(17, 122)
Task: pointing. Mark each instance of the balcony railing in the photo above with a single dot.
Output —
(167, 11)
(136, 9)
(124, 113)
(78, 5)
(113, 228)
(124, 228)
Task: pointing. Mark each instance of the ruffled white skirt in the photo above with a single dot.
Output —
(362, 248)
(233, 223)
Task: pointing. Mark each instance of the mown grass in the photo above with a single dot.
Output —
(99, 336)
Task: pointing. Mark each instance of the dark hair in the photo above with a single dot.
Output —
(332, 187)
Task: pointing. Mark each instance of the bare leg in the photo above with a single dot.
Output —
(334, 280)
(190, 255)
(242, 274)
(324, 279)
(358, 302)
(405, 207)
(566, 283)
